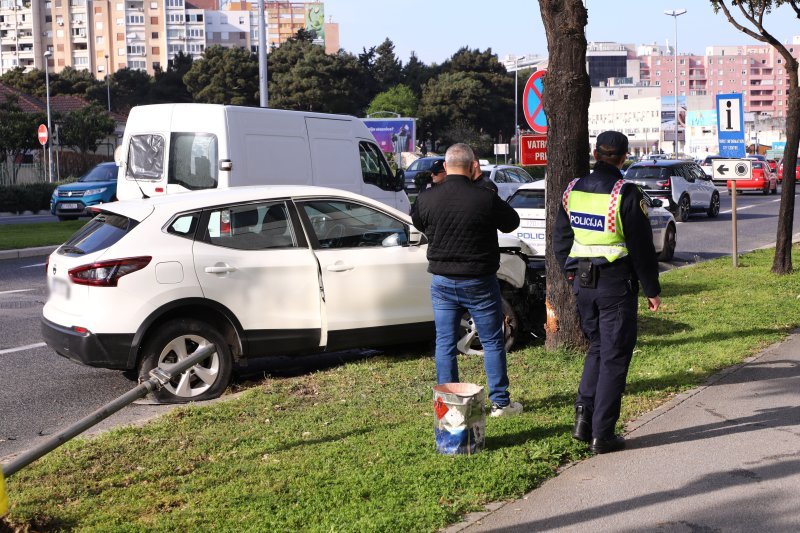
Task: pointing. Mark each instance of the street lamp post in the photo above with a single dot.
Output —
(262, 57)
(675, 13)
(108, 85)
(47, 55)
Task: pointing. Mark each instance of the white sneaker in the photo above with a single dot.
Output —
(514, 408)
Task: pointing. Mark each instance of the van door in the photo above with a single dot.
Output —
(334, 153)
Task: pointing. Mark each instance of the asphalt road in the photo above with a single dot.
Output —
(41, 393)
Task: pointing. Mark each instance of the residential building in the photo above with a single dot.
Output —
(106, 35)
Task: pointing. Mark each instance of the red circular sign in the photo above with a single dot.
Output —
(532, 103)
(42, 134)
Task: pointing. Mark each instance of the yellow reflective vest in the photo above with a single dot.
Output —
(596, 222)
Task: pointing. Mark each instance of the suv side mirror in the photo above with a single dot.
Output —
(415, 236)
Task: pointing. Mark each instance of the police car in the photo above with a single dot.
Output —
(529, 202)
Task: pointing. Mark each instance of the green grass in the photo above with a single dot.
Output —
(13, 236)
(351, 448)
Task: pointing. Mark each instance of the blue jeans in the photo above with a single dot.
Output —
(451, 298)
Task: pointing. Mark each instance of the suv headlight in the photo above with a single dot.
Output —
(95, 191)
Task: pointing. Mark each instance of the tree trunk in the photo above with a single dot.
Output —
(782, 262)
(566, 104)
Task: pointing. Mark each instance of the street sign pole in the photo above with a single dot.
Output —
(734, 228)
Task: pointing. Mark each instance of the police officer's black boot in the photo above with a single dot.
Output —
(613, 443)
(583, 425)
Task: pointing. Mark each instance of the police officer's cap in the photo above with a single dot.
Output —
(437, 166)
(612, 143)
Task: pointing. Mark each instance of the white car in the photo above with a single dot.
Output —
(529, 201)
(682, 186)
(507, 178)
(252, 270)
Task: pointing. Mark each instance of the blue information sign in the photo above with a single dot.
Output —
(730, 125)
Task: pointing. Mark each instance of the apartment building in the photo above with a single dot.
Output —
(107, 35)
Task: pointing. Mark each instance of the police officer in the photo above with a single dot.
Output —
(604, 244)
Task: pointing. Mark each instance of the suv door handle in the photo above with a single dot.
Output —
(339, 267)
(220, 269)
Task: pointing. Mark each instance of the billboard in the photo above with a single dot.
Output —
(315, 20)
(393, 134)
(668, 113)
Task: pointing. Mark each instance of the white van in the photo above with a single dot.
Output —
(170, 148)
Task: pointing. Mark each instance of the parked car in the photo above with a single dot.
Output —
(682, 186)
(773, 165)
(762, 179)
(508, 178)
(254, 271)
(529, 201)
(796, 170)
(96, 187)
(423, 164)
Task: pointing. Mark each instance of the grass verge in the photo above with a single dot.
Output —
(13, 236)
(351, 448)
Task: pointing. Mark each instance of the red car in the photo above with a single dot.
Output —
(773, 165)
(796, 171)
(762, 179)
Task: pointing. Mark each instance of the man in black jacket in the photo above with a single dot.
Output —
(461, 221)
(604, 244)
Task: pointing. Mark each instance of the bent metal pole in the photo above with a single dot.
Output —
(158, 378)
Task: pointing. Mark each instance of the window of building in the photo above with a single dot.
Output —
(136, 49)
(683, 73)
(137, 65)
(154, 21)
(720, 72)
(720, 83)
(135, 19)
(658, 83)
(658, 62)
(174, 3)
(780, 102)
(154, 35)
(780, 60)
(175, 18)
(763, 61)
(98, 40)
(156, 50)
(80, 61)
(682, 83)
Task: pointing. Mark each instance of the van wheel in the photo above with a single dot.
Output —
(670, 240)
(713, 207)
(175, 341)
(468, 342)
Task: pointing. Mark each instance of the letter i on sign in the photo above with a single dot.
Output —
(728, 113)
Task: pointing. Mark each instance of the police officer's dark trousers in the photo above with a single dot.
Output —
(608, 319)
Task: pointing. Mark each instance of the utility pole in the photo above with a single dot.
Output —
(262, 55)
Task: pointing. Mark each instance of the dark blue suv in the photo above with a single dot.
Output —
(97, 186)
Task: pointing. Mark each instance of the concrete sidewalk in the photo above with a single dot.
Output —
(722, 457)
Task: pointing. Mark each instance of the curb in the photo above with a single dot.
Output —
(27, 252)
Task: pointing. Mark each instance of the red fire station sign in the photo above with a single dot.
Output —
(42, 134)
(533, 150)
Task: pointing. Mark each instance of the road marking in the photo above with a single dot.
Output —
(22, 348)
(33, 266)
(17, 290)
(739, 209)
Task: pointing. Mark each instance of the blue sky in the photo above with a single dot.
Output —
(435, 29)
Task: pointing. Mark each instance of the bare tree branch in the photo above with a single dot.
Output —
(735, 23)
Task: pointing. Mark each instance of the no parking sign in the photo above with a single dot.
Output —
(532, 98)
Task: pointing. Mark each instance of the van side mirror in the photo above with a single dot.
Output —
(118, 155)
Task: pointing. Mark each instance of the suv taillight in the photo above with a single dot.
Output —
(663, 184)
(107, 273)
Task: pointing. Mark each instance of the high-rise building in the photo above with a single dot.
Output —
(106, 35)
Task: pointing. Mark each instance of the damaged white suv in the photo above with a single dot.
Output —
(252, 270)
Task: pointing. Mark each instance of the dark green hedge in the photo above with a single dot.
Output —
(33, 197)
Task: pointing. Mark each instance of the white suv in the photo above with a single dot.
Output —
(682, 186)
(252, 270)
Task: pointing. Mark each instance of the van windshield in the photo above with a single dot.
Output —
(192, 160)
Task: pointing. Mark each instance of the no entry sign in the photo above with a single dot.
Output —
(42, 134)
(533, 150)
(532, 102)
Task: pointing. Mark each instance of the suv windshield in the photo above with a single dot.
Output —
(100, 173)
(646, 174)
